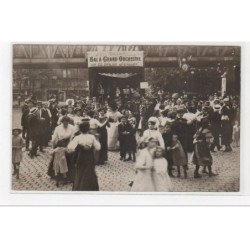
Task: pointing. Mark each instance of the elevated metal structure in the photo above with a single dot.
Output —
(75, 56)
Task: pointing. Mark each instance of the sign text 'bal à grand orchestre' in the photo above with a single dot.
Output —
(115, 59)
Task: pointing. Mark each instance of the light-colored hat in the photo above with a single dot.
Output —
(175, 95)
(33, 110)
(217, 106)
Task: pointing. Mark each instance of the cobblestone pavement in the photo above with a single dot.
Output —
(116, 175)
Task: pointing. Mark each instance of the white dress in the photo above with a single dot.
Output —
(160, 175)
(147, 134)
(113, 129)
(143, 181)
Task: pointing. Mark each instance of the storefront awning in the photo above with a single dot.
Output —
(118, 75)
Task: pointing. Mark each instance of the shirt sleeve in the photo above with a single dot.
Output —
(59, 120)
(73, 144)
(55, 135)
(96, 144)
(49, 113)
(98, 123)
(160, 139)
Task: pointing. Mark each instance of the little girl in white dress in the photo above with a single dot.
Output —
(143, 181)
(160, 175)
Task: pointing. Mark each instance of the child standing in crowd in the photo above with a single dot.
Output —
(236, 133)
(132, 140)
(17, 155)
(202, 155)
(143, 181)
(160, 175)
(124, 132)
(179, 156)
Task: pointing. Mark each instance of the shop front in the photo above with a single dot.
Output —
(115, 73)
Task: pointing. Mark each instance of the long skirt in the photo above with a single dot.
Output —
(69, 158)
(60, 165)
(103, 153)
(143, 181)
(189, 137)
(162, 182)
(113, 136)
(202, 155)
(226, 132)
(179, 157)
(85, 176)
(96, 152)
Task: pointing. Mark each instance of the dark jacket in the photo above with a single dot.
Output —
(24, 118)
(124, 128)
(34, 127)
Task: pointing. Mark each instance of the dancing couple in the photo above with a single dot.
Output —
(151, 170)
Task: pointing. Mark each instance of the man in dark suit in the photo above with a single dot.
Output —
(124, 130)
(46, 115)
(34, 130)
(215, 120)
(24, 122)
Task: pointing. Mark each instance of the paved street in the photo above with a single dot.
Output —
(116, 175)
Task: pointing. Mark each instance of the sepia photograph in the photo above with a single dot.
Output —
(126, 118)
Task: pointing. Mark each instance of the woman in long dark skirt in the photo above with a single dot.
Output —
(103, 138)
(84, 145)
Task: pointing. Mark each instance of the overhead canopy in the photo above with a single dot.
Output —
(73, 56)
(118, 75)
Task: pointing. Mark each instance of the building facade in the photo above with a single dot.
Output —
(68, 71)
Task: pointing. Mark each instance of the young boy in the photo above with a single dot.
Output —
(124, 131)
(17, 144)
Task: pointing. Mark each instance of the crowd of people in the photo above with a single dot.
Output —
(155, 133)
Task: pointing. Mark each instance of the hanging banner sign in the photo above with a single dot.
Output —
(115, 59)
(223, 86)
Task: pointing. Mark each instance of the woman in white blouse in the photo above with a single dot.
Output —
(94, 125)
(60, 164)
(84, 145)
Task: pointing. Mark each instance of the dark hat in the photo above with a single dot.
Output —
(17, 129)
